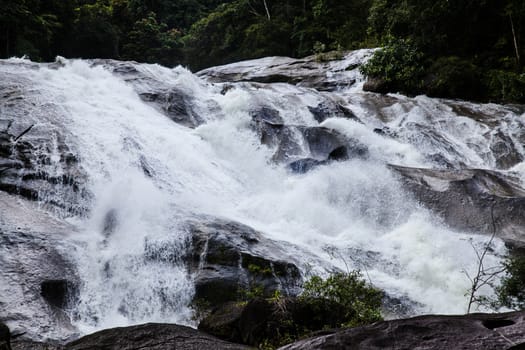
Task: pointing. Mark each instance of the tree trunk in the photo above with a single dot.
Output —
(516, 48)
(267, 10)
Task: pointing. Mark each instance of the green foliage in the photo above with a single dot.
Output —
(260, 270)
(253, 292)
(505, 85)
(511, 292)
(453, 76)
(399, 64)
(359, 302)
(469, 49)
(95, 35)
(151, 41)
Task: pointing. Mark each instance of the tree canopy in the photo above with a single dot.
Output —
(477, 42)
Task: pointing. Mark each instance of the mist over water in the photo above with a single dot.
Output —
(148, 175)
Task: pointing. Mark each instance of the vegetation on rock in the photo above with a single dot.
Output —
(511, 292)
(340, 300)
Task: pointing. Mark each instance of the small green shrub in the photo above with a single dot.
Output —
(359, 301)
(399, 64)
(506, 86)
(453, 77)
(511, 292)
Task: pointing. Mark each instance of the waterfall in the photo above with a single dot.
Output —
(144, 176)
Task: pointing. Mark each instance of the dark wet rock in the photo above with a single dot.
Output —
(341, 153)
(58, 293)
(5, 337)
(330, 109)
(302, 166)
(470, 199)
(151, 336)
(33, 345)
(308, 144)
(230, 259)
(267, 115)
(377, 85)
(176, 104)
(271, 321)
(470, 332)
(323, 141)
(307, 72)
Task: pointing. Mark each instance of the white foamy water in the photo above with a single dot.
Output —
(220, 168)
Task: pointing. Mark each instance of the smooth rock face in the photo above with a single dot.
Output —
(470, 332)
(471, 200)
(151, 336)
(308, 72)
(33, 257)
(230, 259)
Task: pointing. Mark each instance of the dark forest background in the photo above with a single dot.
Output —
(453, 48)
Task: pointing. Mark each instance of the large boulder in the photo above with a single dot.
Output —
(470, 332)
(473, 200)
(151, 336)
(309, 146)
(271, 321)
(319, 72)
(231, 261)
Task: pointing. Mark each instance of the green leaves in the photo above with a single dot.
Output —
(359, 301)
(399, 64)
(511, 293)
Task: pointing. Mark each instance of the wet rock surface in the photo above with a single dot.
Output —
(270, 321)
(230, 259)
(473, 200)
(308, 72)
(33, 257)
(164, 93)
(475, 331)
(151, 336)
(306, 147)
(35, 159)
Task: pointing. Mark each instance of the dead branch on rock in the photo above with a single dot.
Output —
(485, 276)
(23, 133)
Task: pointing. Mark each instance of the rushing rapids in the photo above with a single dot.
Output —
(109, 170)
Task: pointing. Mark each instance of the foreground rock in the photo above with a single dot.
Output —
(151, 336)
(271, 322)
(471, 332)
(474, 200)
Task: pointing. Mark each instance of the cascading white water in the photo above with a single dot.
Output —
(220, 168)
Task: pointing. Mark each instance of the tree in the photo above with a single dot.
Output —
(151, 41)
